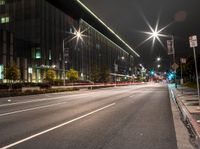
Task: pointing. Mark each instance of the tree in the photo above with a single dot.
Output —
(189, 69)
(12, 73)
(72, 75)
(95, 74)
(104, 74)
(50, 75)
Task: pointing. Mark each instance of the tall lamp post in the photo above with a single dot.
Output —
(171, 51)
(78, 35)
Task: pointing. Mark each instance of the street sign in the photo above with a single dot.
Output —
(183, 60)
(170, 47)
(194, 44)
(193, 41)
(175, 66)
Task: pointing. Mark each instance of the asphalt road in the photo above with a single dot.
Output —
(131, 117)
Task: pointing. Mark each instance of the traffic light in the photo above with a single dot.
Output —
(152, 72)
(171, 75)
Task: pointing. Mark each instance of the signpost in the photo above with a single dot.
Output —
(194, 44)
(175, 66)
(171, 51)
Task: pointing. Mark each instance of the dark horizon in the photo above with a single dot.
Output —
(127, 18)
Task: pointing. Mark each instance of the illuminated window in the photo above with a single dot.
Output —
(49, 54)
(71, 30)
(2, 2)
(98, 46)
(5, 20)
(38, 53)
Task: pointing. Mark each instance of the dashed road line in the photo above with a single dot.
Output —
(56, 127)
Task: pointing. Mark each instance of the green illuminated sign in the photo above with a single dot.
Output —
(38, 53)
(1, 72)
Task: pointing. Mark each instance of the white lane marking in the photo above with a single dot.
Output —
(31, 109)
(56, 127)
(52, 98)
(38, 100)
(31, 101)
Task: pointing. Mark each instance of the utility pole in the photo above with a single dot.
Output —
(174, 59)
(197, 75)
(63, 62)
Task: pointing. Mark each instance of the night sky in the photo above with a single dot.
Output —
(127, 18)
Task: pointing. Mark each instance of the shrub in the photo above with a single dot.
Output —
(72, 75)
(17, 86)
(4, 86)
(57, 82)
(45, 86)
(12, 73)
(50, 75)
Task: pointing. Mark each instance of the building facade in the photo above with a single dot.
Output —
(32, 33)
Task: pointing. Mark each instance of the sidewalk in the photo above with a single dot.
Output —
(185, 103)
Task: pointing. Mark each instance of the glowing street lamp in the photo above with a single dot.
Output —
(155, 33)
(158, 59)
(158, 66)
(78, 34)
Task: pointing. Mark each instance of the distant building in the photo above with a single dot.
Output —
(32, 34)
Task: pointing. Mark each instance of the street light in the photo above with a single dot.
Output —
(158, 66)
(78, 35)
(158, 59)
(156, 34)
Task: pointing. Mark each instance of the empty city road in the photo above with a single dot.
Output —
(130, 117)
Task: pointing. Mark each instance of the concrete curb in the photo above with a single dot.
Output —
(182, 135)
(187, 118)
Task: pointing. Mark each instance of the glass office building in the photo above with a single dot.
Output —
(32, 34)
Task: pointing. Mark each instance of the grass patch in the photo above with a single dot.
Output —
(190, 84)
(33, 92)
